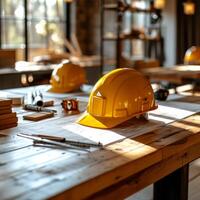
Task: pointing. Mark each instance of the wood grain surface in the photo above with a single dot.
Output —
(143, 156)
(176, 74)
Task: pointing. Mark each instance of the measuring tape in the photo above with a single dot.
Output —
(70, 104)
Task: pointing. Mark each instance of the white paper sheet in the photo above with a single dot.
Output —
(157, 118)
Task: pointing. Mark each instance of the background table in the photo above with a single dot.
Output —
(176, 74)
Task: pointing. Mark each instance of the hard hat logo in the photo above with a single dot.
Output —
(117, 97)
(67, 77)
(99, 94)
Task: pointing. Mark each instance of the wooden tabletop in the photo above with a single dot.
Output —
(135, 154)
(175, 74)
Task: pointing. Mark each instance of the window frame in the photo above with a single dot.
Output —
(25, 22)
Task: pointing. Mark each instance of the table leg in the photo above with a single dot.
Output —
(174, 186)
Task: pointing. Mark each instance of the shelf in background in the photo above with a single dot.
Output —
(130, 37)
(115, 7)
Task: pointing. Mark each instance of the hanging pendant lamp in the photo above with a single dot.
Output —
(159, 4)
(189, 7)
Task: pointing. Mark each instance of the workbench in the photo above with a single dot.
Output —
(135, 154)
(36, 74)
(176, 74)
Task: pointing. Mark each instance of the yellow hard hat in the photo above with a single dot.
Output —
(118, 96)
(192, 56)
(67, 77)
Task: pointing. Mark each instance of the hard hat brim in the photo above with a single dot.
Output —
(99, 122)
(109, 122)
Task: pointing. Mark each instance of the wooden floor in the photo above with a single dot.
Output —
(194, 185)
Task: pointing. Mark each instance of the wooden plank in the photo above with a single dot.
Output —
(127, 146)
(20, 154)
(91, 185)
(188, 135)
(123, 147)
(29, 143)
(176, 72)
(78, 177)
(28, 164)
(80, 171)
(194, 182)
(147, 176)
(8, 145)
(7, 58)
(5, 102)
(67, 172)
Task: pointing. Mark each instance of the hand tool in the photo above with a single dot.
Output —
(38, 138)
(37, 108)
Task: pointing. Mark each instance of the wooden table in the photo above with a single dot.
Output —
(142, 154)
(40, 74)
(15, 77)
(175, 74)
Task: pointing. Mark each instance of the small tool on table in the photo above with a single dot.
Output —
(37, 108)
(161, 94)
(38, 116)
(59, 141)
(70, 106)
(37, 98)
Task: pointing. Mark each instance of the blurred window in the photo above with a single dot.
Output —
(32, 26)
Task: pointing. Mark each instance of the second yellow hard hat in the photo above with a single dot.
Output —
(67, 77)
(192, 56)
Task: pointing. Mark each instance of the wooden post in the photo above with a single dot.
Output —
(174, 186)
(26, 50)
(88, 26)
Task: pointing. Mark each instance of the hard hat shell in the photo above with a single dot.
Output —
(118, 96)
(67, 77)
(192, 56)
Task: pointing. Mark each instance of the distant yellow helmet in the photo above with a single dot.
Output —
(116, 97)
(67, 77)
(192, 56)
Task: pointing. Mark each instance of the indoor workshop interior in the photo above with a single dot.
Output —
(100, 99)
